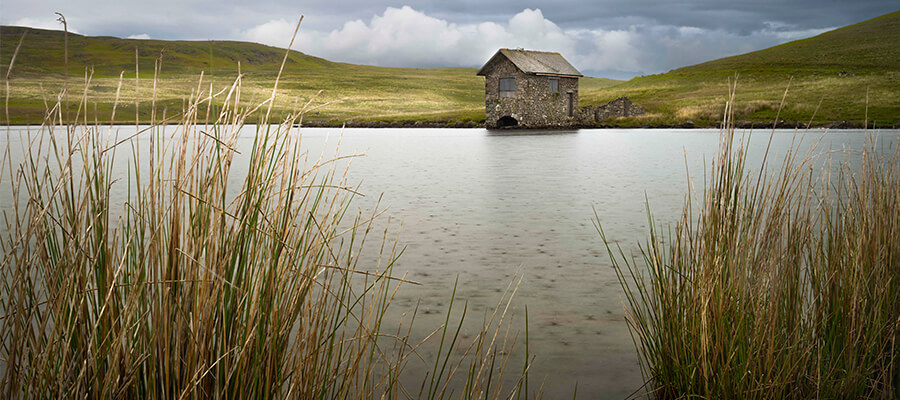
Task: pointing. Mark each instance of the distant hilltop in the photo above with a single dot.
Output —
(840, 78)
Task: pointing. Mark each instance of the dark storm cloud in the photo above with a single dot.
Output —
(611, 38)
(743, 16)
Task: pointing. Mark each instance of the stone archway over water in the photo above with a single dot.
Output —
(507, 121)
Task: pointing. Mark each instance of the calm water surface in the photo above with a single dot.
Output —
(484, 207)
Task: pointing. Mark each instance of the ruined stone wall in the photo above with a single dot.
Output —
(621, 107)
(534, 106)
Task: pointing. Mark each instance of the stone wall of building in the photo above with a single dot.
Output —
(621, 107)
(533, 106)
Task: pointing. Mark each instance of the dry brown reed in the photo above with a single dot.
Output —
(209, 280)
(781, 283)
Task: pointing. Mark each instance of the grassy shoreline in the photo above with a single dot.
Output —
(419, 124)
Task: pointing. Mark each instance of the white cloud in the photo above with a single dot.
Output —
(802, 34)
(276, 32)
(609, 50)
(405, 37)
(43, 23)
(142, 36)
(786, 32)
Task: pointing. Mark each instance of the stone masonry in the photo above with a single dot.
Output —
(621, 107)
(534, 105)
(544, 93)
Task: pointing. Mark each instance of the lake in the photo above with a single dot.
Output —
(484, 207)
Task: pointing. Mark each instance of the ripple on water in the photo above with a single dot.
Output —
(485, 208)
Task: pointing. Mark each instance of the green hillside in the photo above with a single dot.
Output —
(835, 76)
(837, 68)
(373, 93)
(42, 53)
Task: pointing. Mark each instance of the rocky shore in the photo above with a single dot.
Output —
(683, 125)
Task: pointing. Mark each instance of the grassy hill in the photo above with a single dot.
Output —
(373, 93)
(39, 68)
(833, 76)
(839, 68)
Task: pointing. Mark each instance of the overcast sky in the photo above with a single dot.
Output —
(617, 39)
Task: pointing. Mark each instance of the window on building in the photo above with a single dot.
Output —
(554, 85)
(507, 87)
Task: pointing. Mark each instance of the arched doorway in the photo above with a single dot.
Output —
(507, 121)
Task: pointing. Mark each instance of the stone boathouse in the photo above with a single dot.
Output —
(530, 89)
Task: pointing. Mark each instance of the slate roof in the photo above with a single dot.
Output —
(535, 62)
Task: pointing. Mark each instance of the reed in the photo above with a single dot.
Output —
(780, 283)
(209, 280)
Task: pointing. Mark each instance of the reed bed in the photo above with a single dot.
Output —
(781, 283)
(210, 281)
